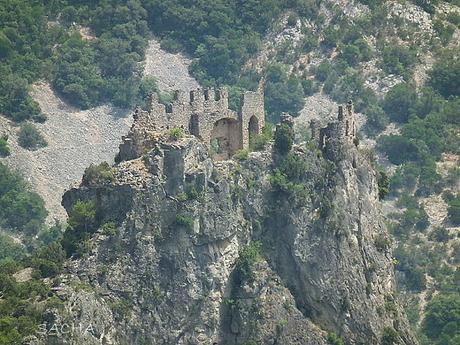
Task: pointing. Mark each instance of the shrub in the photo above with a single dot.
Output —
(175, 133)
(444, 30)
(376, 119)
(398, 59)
(405, 177)
(383, 184)
(241, 155)
(443, 310)
(323, 71)
(292, 20)
(334, 339)
(284, 138)
(382, 242)
(4, 148)
(390, 337)
(9, 249)
(415, 279)
(191, 191)
(18, 206)
(171, 45)
(309, 87)
(350, 53)
(453, 210)
(439, 234)
(48, 260)
(98, 174)
(399, 102)
(414, 218)
(294, 167)
(185, 221)
(445, 75)
(109, 229)
(282, 93)
(247, 258)
(30, 138)
(81, 224)
(294, 192)
(259, 141)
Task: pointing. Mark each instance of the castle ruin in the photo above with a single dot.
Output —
(204, 114)
(337, 133)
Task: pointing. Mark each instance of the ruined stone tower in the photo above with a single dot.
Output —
(338, 133)
(203, 113)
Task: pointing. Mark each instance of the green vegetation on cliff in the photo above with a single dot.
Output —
(20, 209)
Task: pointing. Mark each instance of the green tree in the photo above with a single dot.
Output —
(453, 210)
(442, 312)
(9, 249)
(283, 93)
(76, 75)
(399, 149)
(81, 224)
(399, 102)
(18, 206)
(376, 119)
(445, 75)
(284, 138)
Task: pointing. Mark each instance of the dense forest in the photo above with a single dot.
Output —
(46, 39)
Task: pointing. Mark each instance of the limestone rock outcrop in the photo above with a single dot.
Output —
(171, 272)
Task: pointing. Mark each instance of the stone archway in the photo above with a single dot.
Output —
(253, 128)
(225, 138)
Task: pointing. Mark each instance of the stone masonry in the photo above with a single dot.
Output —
(203, 113)
(336, 134)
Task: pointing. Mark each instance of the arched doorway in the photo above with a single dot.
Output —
(225, 138)
(253, 128)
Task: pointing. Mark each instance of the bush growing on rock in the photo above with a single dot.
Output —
(30, 138)
(248, 256)
(98, 174)
(390, 336)
(82, 223)
(445, 75)
(185, 221)
(383, 184)
(175, 133)
(334, 339)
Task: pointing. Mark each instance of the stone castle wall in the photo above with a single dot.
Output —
(203, 113)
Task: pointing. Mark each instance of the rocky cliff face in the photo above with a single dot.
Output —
(212, 253)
